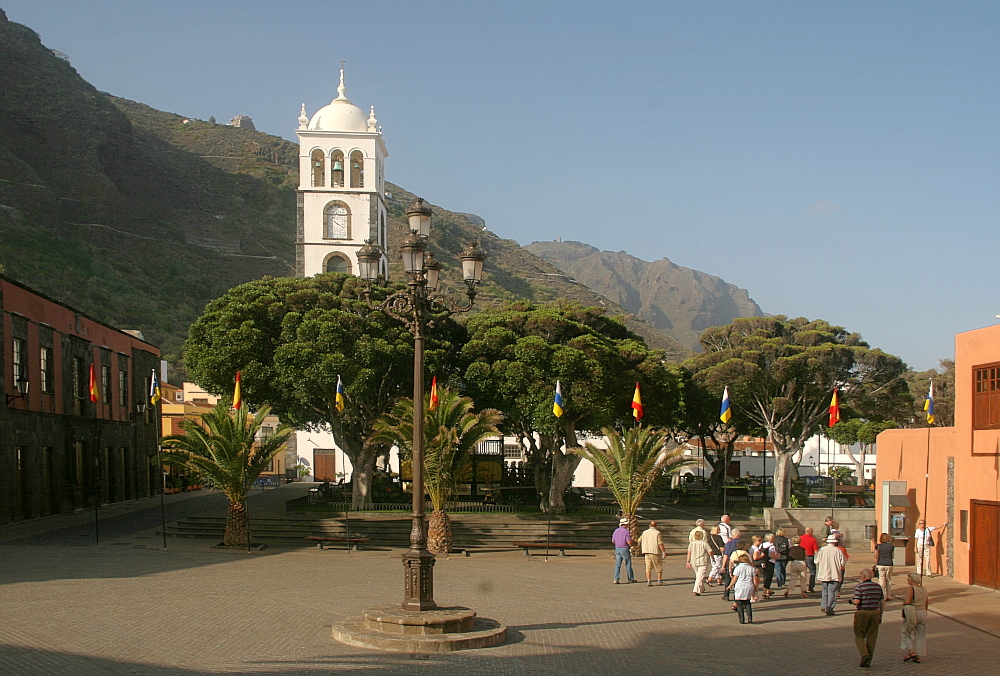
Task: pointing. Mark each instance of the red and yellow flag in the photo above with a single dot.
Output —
(93, 385)
(237, 394)
(434, 393)
(834, 410)
(637, 404)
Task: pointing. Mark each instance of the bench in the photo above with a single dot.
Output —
(527, 546)
(352, 543)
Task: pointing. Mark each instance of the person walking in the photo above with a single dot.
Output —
(622, 540)
(699, 527)
(797, 571)
(651, 545)
(811, 545)
(744, 587)
(883, 563)
(727, 566)
(781, 547)
(766, 556)
(725, 530)
(868, 616)
(829, 563)
(923, 541)
(716, 544)
(914, 629)
(699, 556)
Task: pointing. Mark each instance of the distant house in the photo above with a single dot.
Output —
(243, 121)
(76, 427)
(952, 474)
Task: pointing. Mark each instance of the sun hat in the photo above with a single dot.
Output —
(833, 538)
(622, 522)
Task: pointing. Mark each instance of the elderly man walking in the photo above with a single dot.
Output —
(829, 562)
(868, 616)
(699, 525)
(651, 545)
(622, 540)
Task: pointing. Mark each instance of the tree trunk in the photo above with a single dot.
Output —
(237, 525)
(439, 532)
(562, 476)
(782, 478)
(633, 529)
(361, 477)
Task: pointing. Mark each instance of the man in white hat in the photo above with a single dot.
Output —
(829, 564)
(622, 540)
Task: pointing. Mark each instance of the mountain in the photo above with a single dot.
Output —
(679, 301)
(139, 217)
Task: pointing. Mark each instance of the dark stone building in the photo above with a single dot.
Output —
(60, 450)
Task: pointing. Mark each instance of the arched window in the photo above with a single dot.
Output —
(337, 173)
(357, 169)
(338, 263)
(337, 221)
(317, 163)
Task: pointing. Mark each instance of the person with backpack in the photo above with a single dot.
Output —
(765, 557)
(781, 547)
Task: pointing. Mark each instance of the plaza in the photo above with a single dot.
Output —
(127, 606)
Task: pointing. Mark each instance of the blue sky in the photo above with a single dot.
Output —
(838, 160)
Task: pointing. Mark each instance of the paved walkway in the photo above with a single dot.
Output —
(127, 606)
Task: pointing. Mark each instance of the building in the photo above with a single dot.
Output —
(340, 205)
(59, 450)
(952, 474)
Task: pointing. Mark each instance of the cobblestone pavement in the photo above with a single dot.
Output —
(129, 607)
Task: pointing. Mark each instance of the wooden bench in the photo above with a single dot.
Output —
(527, 546)
(352, 543)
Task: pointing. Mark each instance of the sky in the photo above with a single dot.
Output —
(840, 161)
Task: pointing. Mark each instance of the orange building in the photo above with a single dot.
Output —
(952, 474)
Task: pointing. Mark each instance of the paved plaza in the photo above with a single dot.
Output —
(127, 606)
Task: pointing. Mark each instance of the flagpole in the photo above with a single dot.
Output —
(163, 509)
(548, 525)
(924, 561)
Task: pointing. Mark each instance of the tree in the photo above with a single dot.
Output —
(451, 432)
(517, 352)
(223, 449)
(781, 375)
(632, 463)
(292, 338)
(944, 394)
(847, 433)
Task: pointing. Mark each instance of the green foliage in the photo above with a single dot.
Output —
(840, 473)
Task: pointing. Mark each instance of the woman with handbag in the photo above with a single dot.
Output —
(914, 629)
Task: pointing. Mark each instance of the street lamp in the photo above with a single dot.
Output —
(412, 307)
(21, 383)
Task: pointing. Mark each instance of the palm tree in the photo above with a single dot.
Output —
(631, 464)
(451, 432)
(224, 450)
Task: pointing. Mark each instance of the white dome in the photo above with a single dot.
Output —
(339, 115)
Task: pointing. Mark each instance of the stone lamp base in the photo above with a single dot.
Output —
(422, 631)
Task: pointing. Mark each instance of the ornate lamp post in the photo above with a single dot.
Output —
(413, 307)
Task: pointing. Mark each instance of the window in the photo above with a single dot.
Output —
(78, 391)
(45, 357)
(986, 397)
(106, 384)
(338, 221)
(512, 451)
(20, 371)
(317, 165)
(337, 164)
(123, 388)
(357, 169)
(337, 263)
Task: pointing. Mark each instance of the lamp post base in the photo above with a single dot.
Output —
(418, 571)
(435, 631)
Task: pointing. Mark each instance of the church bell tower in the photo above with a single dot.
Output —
(341, 194)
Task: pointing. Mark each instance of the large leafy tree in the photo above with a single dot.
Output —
(631, 463)
(223, 448)
(781, 375)
(451, 431)
(859, 432)
(517, 352)
(944, 394)
(291, 338)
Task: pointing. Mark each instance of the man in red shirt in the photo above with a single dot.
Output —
(808, 542)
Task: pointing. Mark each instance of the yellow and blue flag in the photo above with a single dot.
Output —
(557, 404)
(929, 404)
(154, 389)
(726, 413)
(340, 395)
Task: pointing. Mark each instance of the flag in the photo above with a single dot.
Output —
(557, 403)
(154, 389)
(340, 395)
(726, 412)
(237, 394)
(834, 409)
(929, 404)
(637, 404)
(93, 384)
(434, 393)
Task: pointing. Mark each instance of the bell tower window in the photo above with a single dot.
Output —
(337, 219)
(337, 263)
(357, 169)
(337, 174)
(317, 164)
